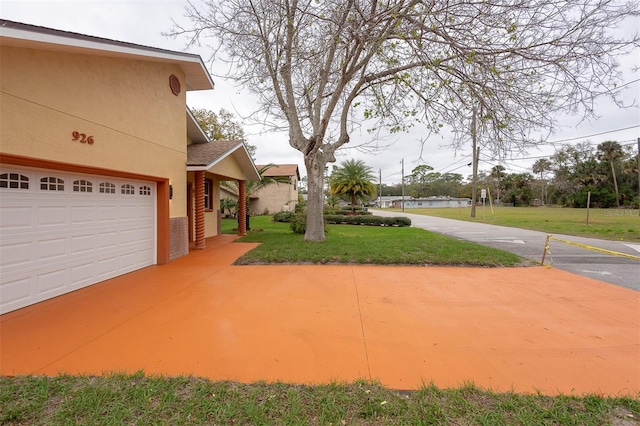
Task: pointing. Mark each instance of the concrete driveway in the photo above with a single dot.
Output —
(526, 329)
(617, 270)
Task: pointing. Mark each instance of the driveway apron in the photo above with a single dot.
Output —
(525, 329)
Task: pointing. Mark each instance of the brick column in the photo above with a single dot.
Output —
(200, 242)
(242, 208)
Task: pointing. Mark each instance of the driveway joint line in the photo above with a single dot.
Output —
(364, 339)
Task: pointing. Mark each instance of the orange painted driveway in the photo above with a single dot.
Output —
(526, 329)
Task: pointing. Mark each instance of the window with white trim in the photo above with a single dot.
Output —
(51, 183)
(107, 188)
(208, 194)
(145, 190)
(82, 185)
(127, 189)
(14, 181)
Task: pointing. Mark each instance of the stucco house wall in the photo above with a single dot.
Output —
(277, 196)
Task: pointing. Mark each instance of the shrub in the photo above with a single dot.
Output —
(283, 216)
(367, 220)
(298, 223)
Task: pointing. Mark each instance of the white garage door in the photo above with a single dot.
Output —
(63, 231)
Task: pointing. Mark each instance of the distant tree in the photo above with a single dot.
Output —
(354, 179)
(611, 152)
(498, 172)
(541, 167)
(518, 188)
(222, 126)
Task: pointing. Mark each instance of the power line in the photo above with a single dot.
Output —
(588, 136)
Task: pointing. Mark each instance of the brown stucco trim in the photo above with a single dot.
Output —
(162, 195)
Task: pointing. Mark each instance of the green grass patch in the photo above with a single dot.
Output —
(351, 244)
(607, 224)
(138, 399)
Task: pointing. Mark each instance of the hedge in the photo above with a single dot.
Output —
(368, 220)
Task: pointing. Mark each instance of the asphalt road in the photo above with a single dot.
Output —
(613, 269)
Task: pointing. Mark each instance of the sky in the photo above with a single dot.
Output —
(144, 22)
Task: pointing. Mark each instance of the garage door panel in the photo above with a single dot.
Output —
(50, 281)
(82, 215)
(15, 217)
(51, 215)
(82, 243)
(52, 248)
(53, 242)
(107, 214)
(16, 292)
(82, 274)
(16, 254)
(107, 267)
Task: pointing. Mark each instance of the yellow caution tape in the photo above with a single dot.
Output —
(601, 250)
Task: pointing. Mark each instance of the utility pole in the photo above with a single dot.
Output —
(476, 154)
(380, 199)
(403, 184)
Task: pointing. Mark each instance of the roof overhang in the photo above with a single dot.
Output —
(34, 37)
(239, 153)
(194, 130)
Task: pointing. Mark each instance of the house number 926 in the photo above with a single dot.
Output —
(82, 137)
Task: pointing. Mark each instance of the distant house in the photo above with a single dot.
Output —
(432, 202)
(386, 201)
(277, 196)
(274, 197)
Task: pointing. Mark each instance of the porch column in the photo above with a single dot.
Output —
(242, 208)
(199, 178)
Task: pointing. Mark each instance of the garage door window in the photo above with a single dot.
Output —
(107, 188)
(51, 183)
(82, 185)
(128, 189)
(14, 181)
(145, 190)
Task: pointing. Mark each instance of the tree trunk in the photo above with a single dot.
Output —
(615, 183)
(315, 198)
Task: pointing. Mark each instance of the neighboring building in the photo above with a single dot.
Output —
(386, 201)
(432, 202)
(103, 169)
(277, 196)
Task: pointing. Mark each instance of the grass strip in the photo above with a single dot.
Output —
(606, 224)
(351, 244)
(138, 399)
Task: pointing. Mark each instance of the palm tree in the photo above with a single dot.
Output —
(354, 179)
(542, 166)
(611, 151)
(498, 173)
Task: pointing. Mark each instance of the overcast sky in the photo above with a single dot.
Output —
(144, 21)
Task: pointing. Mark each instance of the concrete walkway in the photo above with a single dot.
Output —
(527, 329)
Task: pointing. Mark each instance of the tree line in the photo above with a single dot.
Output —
(609, 171)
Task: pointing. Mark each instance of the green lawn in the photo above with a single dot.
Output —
(608, 224)
(365, 245)
(141, 400)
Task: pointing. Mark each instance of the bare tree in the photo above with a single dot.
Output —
(323, 67)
